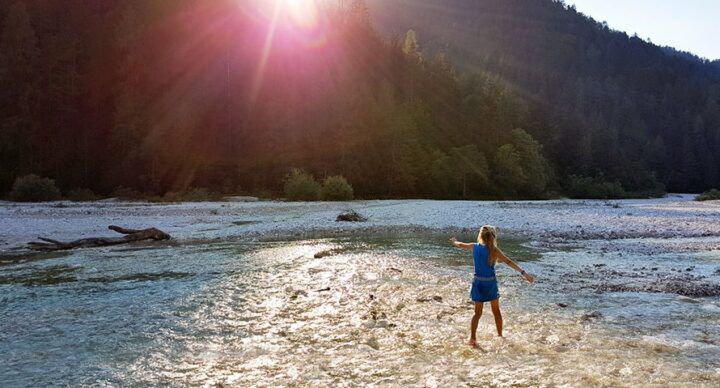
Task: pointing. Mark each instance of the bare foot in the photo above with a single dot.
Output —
(473, 343)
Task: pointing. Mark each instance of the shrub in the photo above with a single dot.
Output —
(594, 188)
(301, 186)
(80, 195)
(128, 194)
(337, 188)
(710, 195)
(32, 188)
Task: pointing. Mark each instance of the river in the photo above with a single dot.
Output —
(385, 309)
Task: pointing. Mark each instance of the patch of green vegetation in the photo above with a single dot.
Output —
(301, 186)
(583, 187)
(337, 188)
(33, 188)
(710, 195)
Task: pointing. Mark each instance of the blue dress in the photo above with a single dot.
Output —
(484, 285)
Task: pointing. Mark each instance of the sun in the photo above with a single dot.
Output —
(302, 13)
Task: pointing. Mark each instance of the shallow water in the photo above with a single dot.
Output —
(380, 310)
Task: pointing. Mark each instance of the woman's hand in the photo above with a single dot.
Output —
(529, 277)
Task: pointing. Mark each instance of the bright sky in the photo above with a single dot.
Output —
(687, 25)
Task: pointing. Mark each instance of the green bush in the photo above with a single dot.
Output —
(81, 195)
(301, 186)
(337, 188)
(594, 188)
(710, 195)
(32, 188)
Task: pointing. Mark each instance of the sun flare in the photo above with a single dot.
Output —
(303, 13)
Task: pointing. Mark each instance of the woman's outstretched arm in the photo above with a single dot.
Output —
(504, 259)
(461, 245)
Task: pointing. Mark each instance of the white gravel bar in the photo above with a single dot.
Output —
(671, 218)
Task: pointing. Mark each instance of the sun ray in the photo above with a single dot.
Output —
(267, 47)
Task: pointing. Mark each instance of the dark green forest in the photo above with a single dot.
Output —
(486, 99)
(610, 103)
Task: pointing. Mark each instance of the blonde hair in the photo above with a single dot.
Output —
(488, 237)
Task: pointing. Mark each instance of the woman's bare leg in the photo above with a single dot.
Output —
(474, 323)
(495, 304)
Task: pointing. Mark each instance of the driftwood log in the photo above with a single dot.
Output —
(131, 235)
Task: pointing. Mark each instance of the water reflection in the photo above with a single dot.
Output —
(383, 310)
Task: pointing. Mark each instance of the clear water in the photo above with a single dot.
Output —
(383, 310)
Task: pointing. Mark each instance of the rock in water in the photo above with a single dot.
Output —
(351, 216)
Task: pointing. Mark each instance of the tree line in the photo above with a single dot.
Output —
(170, 95)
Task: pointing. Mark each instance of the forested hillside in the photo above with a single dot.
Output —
(167, 95)
(615, 104)
(230, 95)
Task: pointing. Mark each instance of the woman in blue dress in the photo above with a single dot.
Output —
(485, 286)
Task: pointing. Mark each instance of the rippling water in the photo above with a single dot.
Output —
(380, 310)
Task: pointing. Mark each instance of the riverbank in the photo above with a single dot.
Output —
(673, 219)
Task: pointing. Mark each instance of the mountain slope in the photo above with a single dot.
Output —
(617, 104)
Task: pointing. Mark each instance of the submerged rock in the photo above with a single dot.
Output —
(373, 343)
(590, 316)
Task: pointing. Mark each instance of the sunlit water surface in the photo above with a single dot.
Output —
(383, 310)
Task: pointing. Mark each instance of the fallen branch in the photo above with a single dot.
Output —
(131, 235)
